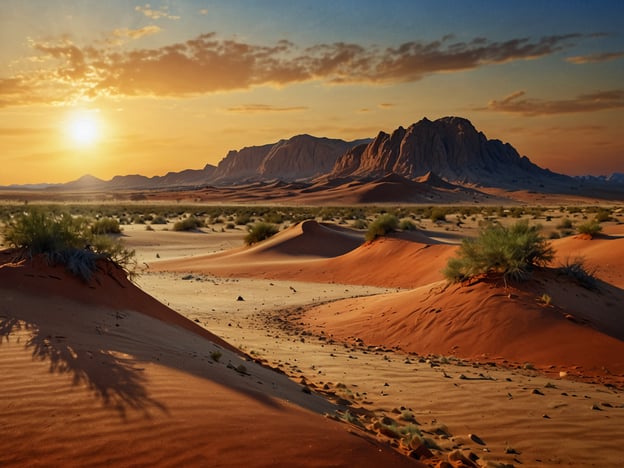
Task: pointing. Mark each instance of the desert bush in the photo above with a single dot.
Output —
(360, 224)
(591, 228)
(243, 219)
(511, 251)
(274, 217)
(259, 232)
(565, 223)
(575, 268)
(188, 224)
(437, 214)
(159, 219)
(384, 224)
(407, 225)
(66, 240)
(106, 226)
(603, 215)
(41, 233)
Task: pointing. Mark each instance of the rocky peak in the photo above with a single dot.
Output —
(449, 147)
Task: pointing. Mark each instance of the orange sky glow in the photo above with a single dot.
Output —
(113, 88)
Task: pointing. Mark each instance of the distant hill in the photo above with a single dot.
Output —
(448, 155)
(298, 158)
(450, 148)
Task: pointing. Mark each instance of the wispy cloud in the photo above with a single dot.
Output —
(208, 64)
(136, 33)
(156, 14)
(260, 108)
(517, 103)
(595, 58)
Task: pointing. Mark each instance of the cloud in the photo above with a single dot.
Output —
(162, 12)
(516, 103)
(136, 33)
(208, 64)
(203, 11)
(260, 108)
(595, 58)
(386, 105)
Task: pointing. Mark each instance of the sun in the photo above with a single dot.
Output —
(83, 129)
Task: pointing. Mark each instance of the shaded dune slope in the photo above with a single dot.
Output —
(99, 375)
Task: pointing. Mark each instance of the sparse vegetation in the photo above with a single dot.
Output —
(259, 232)
(575, 268)
(106, 226)
(188, 224)
(511, 251)
(65, 240)
(407, 225)
(590, 228)
(381, 226)
(360, 224)
(437, 214)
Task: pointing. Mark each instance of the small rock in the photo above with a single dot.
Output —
(476, 439)
(240, 298)
(536, 391)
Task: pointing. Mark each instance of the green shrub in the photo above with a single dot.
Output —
(381, 226)
(188, 224)
(590, 228)
(407, 225)
(437, 214)
(243, 219)
(565, 224)
(603, 215)
(512, 251)
(259, 232)
(576, 269)
(159, 219)
(66, 240)
(360, 224)
(106, 226)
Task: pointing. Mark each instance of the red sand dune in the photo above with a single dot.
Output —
(581, 332)
(109, 288)
(405, 260)
(101, 374)
(604, 253)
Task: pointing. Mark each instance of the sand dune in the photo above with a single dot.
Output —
(403, 260)
(101, 374)
(604, 253)
(580, 332)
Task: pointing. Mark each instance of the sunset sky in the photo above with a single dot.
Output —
(121, 87)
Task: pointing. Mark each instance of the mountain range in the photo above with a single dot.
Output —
(449, 150)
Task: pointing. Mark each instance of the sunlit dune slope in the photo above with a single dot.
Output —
(603, 254)
(405, 260)
(580, 331)
(102, 375)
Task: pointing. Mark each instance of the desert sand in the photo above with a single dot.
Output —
(311, 326)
